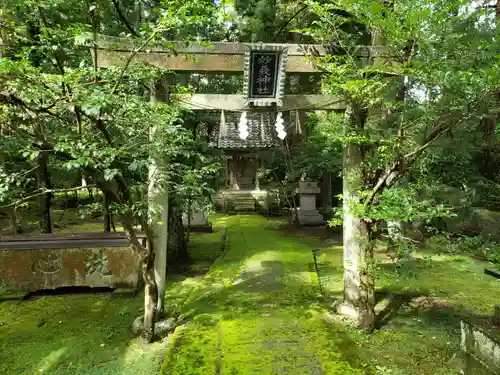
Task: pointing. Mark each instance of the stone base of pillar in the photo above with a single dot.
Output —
(204, 228)
(199, 222)
(310, 218)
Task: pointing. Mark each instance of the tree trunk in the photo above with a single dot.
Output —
(146, 261)
(326, 194)
(14, 222)
(189, 217)
(177, 246)
(107, 216)
(359, 286)
(150, 296)
(44, 201)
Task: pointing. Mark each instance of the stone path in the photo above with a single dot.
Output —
(259, 311)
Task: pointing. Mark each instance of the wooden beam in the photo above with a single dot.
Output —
(214, 48)
(218, 57)
(199, 63)
(236, 102)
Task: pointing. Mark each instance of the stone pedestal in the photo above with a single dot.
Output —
(307, 214)
(199, 221)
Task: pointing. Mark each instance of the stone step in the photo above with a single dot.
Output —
(244, 203)
(244, 207)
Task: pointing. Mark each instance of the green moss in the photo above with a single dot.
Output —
(194, 351)
(87, 334)
(421, 332)
(73, 334)
(258, 311)
(205, 246)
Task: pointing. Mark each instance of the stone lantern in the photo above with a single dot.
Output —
(307, 213)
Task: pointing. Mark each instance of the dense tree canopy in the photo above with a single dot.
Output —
(422, 98)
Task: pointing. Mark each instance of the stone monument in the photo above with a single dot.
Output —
(307, 213)
(51, 261)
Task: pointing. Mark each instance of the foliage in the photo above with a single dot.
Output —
(478, 246)
(104, 125)
(90, 119)
(426, 80)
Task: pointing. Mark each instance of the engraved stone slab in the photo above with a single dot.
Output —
(30, 268)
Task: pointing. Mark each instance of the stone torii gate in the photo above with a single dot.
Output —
(224, 57)
(275, 60)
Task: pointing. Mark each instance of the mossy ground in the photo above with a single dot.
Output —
(63, 221)
(421, 303)
(90, 334)
(260, 310)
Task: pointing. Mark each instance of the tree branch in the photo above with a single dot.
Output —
(405, 162)
(289, 20)
(131, 57)
(94, 34)
(122, 17)
(430, 138)
(9, 98)
(46, 191)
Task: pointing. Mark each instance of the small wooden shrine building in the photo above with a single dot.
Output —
(241, 190)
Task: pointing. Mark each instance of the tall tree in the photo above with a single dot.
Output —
(444, 59)
(91, 120)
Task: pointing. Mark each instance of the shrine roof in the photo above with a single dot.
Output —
(260, 128)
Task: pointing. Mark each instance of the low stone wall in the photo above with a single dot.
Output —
(52, 261)
(482, 346)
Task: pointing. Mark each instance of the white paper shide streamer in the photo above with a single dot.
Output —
(298, 127)
(279, 125)
(243, 126)
(223, 125)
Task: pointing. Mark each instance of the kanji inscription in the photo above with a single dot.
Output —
(264, 70)
(97, 262)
